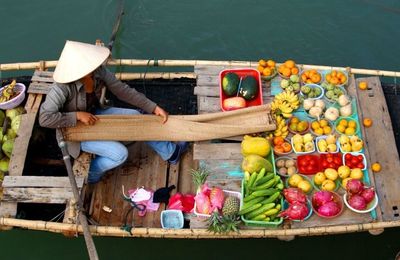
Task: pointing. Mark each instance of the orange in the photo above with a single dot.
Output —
(333, 73)
(376, 167)
(278, 140)
(295, 71)
(315, 78)
(267, 72)
(279, 149)
(271, 63)
(260, 68)
(334, 80)
(281, 68)
(303, 77)
(286, 72)
(307, 73)
(262, 63)
(363, 85)
(352, 123)
(286, 147)
(328, 77)
(367, 122)
(290, 64)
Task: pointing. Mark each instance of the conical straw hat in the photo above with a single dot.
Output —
(77, 60)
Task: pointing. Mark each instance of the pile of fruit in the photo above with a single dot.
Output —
(311, 77)
(321, 127)
(326, 180)
(286, 166)
(327, 204)
(314, 108)
(9, 92)
(288, 68)
(330, 160)
(267, 68)
(303, 143)
(332, 92)
(359, 196)
(261, 198)
(311, 91)
(308, 164)
(354, 161)
(238, 90)
(285, 103)
(300, 182)
(298, 126)
(291, 84)
(298, 208)
(281, 146)
(346, 126)
(336, 77)
(350, 143)
(327, 144)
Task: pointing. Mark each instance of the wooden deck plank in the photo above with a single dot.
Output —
(217, 151)
(185, 182)
(39, 181)
(381, 147)
(37, 195)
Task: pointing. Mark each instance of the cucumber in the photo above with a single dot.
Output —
(278, 206)
(267, 192)
(267, 219)
(264, 179)
(246, 177)
(268, 184)
(260, 193)
(252, 180)
(260, 175)
(252, 202)
(259, 211)
(279, 186)
(258, 218)
(272, 198)
(249, 209)
(248, 198)
(271, 212)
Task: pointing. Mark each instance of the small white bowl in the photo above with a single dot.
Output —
(314, 86)
(370, 206)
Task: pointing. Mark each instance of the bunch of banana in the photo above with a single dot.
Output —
(8, 92)
(281, 127)
(285, 103)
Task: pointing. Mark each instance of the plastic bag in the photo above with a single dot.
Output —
(181, 202)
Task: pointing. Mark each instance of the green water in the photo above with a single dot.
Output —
(356, 33)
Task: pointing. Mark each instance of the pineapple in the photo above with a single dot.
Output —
(199, 176)
(231, 206)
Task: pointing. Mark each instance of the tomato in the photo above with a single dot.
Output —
(348, 156)
(354, 160)
(307, 158)
(324, 164)
(303, 163)
(313, 162)
(360, 158)
(329, 159)
(349, 164)
(310, 168)
(337, 161)
(360, 165)
(332, 165)
(302, 169)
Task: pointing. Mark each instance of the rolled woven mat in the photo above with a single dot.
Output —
(177, 128)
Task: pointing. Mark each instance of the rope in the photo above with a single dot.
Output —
(125, 226)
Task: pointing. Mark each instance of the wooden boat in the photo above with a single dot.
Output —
(144, 168)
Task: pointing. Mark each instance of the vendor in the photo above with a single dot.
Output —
(75, 95)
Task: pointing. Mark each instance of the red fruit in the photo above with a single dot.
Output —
(337, 161)
(302, 168)
(348, 163)
(329, 159)
(324, 164)
(360, 158)
(357, 202)
(296, 211)
(310, 168)
(329, 209)
(321, 197)
(354, 161)
(332, 165)
(354, 186)
(368, 194)
(347, 156)
(294, 195)
(360, 165)
(303, 163)
(313, 162)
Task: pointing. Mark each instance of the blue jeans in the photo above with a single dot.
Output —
(110, 154)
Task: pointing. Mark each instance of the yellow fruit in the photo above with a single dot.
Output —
(328, 185)
(330, 139)
(350, 131)
(319, 178)
(294, 120)
(376, 167)
(319, 131)
(344, 171)
(356, 173)
(254, 163)
(315, 125)
(323, 122)
(327, 130)
(299, 147)
(352, 124)
(305, 186)
(343, 122)
(346, 147)
(255, 145)
(331, 174)
(294, 180)
(340, 128)
(363, 85)
(308, 138)
(344, 182)
(332, 148)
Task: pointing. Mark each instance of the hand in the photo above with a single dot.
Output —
(86, 118)
(158, 111)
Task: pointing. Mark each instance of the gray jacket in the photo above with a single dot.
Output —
(64, 100)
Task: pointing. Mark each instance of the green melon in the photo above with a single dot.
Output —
(249, 88)
(230, 83)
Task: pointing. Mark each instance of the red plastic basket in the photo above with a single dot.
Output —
(258, 100)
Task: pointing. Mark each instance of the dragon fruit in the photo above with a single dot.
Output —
(368, 194)
(216, 198)
(203, 204)
(329, 209)
(294, 195)
(357, 202)
(354, 186)
(296, 211)
(321, 197)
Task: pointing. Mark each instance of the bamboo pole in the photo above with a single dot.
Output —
(155, 75)
(195, 233)
(191, 63)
